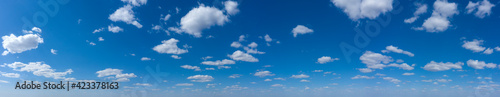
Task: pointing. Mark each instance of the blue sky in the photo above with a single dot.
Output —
(249, 48)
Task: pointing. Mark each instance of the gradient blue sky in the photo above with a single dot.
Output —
(311, 63)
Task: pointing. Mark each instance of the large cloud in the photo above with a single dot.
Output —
(204, 17)
(125, 14)
(482, 9)
(18, 44)
(169, 47)
(474, 45)
(476, 64)
(434, 66)
(359, 9)
(40, 69)
(438, 22)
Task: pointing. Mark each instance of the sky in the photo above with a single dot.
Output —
(253, 48)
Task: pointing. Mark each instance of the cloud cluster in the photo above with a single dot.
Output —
(434, 66)
(439, 20)
(326, 59)
(125, 14)
(40, 69)
(18, 44)
(482, 8)
(359, 9)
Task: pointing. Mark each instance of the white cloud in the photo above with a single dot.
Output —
(175, 57)
(145, 59)
(393, 80)
(200, 18)
(136, 2)
(303, 80)
(359, 9)
(11, 75)
(317, 71)
(365, 70)
(396, 50)
(268, 38)
(235, 76)
(300, 76)
(98, 30)
(443, 80)
(438, 22)
(218, 62)
(326, 59)
(476, 64)
(422, 8)
(301, 29)
(53, 51)
(201, 78)
(143, 84)
(403, 66)
(195, 68)
(118, 75)
(231, 7)
(114, 29)
(375, 60)
(362, 77)
(277, 85)
(474, 45)
(482, 8)
(408, 73)
(241, 56)
(488, 51)
(263, 73)
(34, 29)
(267, 80)
(100, 39)
(497, 48)
(241, 38)
(184, 84)
(434, 66)
(235, 87)
(253, 50)
(2, 81)
(18, 44)
(169, 47)
(125, 14)
(236, 44)
(253, 45)
(166, 17)
(39, 69)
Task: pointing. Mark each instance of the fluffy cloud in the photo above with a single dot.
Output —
(362, 77)
(476, 64)
(204, 17)
(403, 66)
(53, 51)
(136, 2)
(300, 76)
(438, 22)
(125, 14)
(482, 8)
(268, 38)
(201, 78)
(326, 59)
(396, 50)
(301, 29)
(408, 73)
(474, 45)
(263, 73)
(375, 60)
(231, 7)
(218, 62)
(39, 69)
(195, 68)
(241, 56)
(114, 29)
(18, 44)
(434, 66)
(422, 8)
(118, 75)
(359, 9)
(169, 47)
(253, 50)
(236, 44)
(175, 57)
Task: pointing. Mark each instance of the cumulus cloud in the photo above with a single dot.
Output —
(236, 44)
(125, 14)
(434, 66)
(476, 64)
(362, 77)
(263, 73)
(231, 7)
(39, 69)
(421, 9)
(218, 62)
(403, 66)
(195, 68)
(268, 38)
(474, 45)
(439, 20)
(482, 8)
(408, 73)
(359, 9)
(300, 76)
(301, 29)
(202, 17)
(375, 60)
(115, 74)
(488, 51)
(18, 44)
(201, 78)
(397, 50)
(114, 29)
(135, 2)
(326, 59)
(241, 56)
(169, 47)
